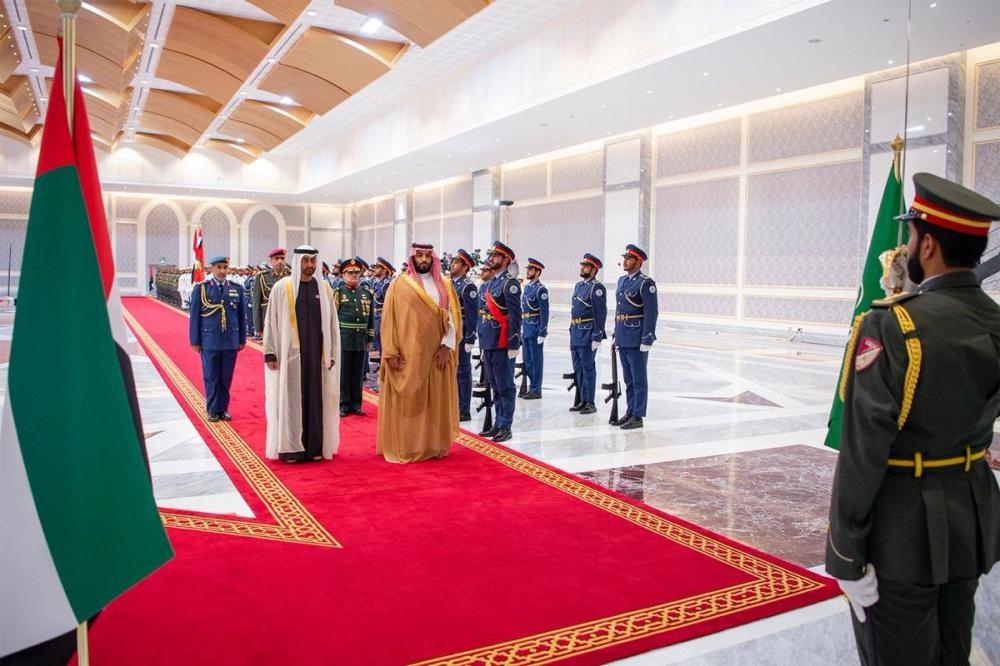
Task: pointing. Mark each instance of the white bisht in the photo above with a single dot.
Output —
(283, 387)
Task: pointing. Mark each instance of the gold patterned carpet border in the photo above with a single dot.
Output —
(293, 522)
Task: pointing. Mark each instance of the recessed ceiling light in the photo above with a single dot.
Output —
(371, 25)
(243, 93)
(83, 78)
(891, 61)
(670, 118)
(223, 117)
(704, 73)
(777, 90)
(604, 106)
(311, 12)
(33, 70)
(144, 82)
(239, 140)
(649, 92)
(271, 61)
(933, 5)
(22, 28)
(719, 104)
(135, 108)
(286, 100)
(154, 45)
(43, 100)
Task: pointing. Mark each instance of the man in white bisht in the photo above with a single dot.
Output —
(301, 348)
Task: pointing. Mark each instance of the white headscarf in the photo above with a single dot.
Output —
(297, 255)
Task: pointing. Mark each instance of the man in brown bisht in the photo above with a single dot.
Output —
(418, 401)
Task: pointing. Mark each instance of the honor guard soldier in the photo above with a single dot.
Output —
(357, 332)
(382, 271)
(500, 337)
(468, 299)
(635, 330)
(261, 292)
(915, 511)
(588, 314)
(534, 327)
(217, 331)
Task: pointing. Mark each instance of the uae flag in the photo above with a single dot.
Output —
(198, 273)
(78, 524)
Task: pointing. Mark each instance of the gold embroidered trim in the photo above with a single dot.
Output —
(852, 343)
(914, 353)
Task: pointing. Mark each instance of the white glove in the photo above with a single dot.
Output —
(541, 339)
(862, 592)
(511, 353)
(645, 348)
(595, 345)
(468, 348)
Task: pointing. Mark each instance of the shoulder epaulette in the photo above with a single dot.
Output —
(889, 301)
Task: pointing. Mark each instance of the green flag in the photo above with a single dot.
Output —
(885, 236)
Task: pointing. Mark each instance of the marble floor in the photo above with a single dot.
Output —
(733, 442)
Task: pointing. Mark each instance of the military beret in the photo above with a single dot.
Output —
(950, 206)
(276, 252)
(218, 259)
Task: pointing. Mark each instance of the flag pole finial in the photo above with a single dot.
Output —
(897, 150)
(69, 9)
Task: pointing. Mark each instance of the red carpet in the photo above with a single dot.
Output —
(485, 557)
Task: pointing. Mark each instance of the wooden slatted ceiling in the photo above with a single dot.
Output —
(112, 29)
(314, 93)
(195, 111)
(422, 21)
(241, 152)
(285, 11)
(9, 57)
(17, 105)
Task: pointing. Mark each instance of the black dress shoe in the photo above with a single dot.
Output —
(577, 407)
(588, 408)
(502, 435)
(632, 423)
(521, 394)
(358, 412)
(225, 416)
(489, 433)
(622, 420)
(344, 411)
(532, 395)
(464, 416)
(213, 417)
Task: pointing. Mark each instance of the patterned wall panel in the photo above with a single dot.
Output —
(384, 242)
(802, 227)
(294, 238)
(127, 283)
(162, 235)
(695, 232)
(458, 196)
(700, 149)
(215, 233)
(384, 211)
(457, 232)
(366, 243)
(802, 310)
(366, 215)
(817, 127)
(557, 234)
(988, 95)
(12, 234)
(128, 208)
(427, 202)
(712, 305)
(15, 202)
(295, 216)
(986, 181)
(579, 172)
(427, 231)
(263, 236)
(525, 183)
(126, 240)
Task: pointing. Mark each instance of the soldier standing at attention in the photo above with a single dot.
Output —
(382, 277)
(261, 292)
(500, 337)
(635, 331)
(217, 331)
(915, 512)
(468, 300)
(588, 314)
(357, 332)
(534, 327)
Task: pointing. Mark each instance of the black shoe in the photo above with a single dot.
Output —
(588, 408)
(489, 433)
(225, 416)
(358, 412)
(623, 420)
(502, 435)
(533, 395)
(344, 411)
(521, 394)
(632, 423)
(464, 416)
(577, 407)
(213, 417)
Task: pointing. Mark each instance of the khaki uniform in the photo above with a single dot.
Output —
(260, 295)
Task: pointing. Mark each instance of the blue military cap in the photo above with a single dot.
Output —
(537, 264)
(218, 259)
(635, 251)
(502, 249)
(382, 261)
(588, 258)
(466, 257)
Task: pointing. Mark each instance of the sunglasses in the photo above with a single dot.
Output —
(352, 272)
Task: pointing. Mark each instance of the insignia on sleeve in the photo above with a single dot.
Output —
(544, 296)
(474, 293)
(513, 288)
(599, 292)
(652, 288)
(869, 349)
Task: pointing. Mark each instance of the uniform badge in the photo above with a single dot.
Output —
(869, 349)
(474, 293)
(544, 296)
(513, 288)
(599, 292)
(652, 288)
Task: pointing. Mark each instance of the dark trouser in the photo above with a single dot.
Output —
(353, 368)
(586, 371)
(217, 367)
(634, 372)
(918, 624)
(464, 379)
(533, 362)
(501, 378)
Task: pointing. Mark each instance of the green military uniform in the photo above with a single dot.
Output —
(913, 494)
(260, 295)
(357, 330)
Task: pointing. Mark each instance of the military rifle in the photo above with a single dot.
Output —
(523, 375)
(487, 395)
(478, 358)
(614, 387)
(573, 385)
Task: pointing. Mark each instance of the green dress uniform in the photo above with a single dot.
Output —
(260, 294)
(913, 494)
(357, 331)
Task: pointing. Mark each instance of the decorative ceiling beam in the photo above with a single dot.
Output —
(241, 151)
(256, 135)
(420, 21)
(286, 11)
(348, 62)
(281, 120)
(166, 143)
(169, 125)
(307, 89)
(195, 111)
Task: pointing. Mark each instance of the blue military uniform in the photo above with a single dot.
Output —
(468, 299)
(534, 329)
(379, 287)
(499, 332)
(635, 327)
(218, 326)
(588, 315)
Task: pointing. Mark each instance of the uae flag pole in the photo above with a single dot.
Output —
(79, 522)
